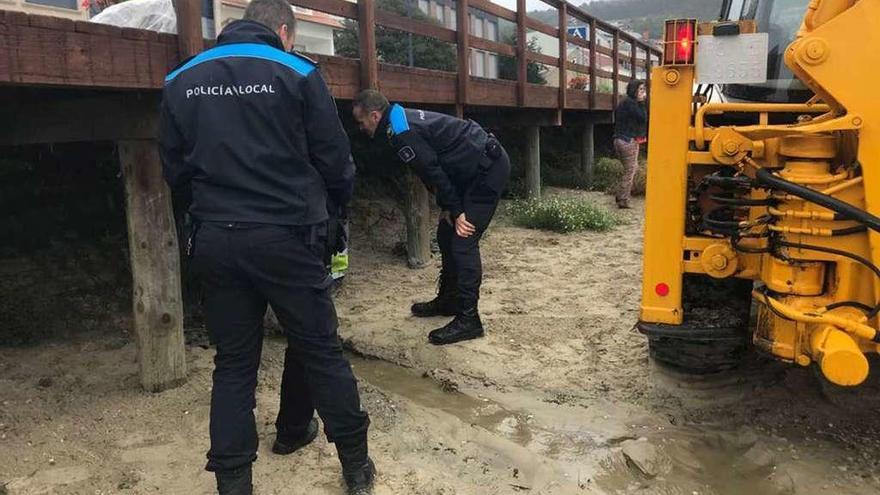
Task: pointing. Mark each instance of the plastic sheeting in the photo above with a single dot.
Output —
(154, 15)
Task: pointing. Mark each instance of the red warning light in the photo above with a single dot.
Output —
(662, 289)
(679, 41)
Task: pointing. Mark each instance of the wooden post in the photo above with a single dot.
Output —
(521, 62)
(593, 90)
(418, 223)
(532, 156)
(190, 40)
(634, 59)
(462, 36)
(155, 267)
(367, 39)
(416, 208)
(615, 61)
(588, 151)
(563, 58)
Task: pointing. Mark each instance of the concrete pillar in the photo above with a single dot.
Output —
(588, 151)
(532, 158)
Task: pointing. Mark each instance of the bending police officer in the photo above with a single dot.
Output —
(468, 170)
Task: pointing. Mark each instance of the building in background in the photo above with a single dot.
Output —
(71, 9)
(482, 25)
(314, 30)
(83, 10)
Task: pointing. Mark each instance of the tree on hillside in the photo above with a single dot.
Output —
(394, 46)
(507, 66)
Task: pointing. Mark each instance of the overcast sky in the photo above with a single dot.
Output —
(535, 4)
(530, 4)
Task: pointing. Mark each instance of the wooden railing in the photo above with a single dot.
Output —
(47, 51)
(470, 90)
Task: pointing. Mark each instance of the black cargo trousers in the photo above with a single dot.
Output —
(242, 268)
(461, 255)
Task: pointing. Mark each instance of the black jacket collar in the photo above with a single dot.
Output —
(249, 32)
(383, 130)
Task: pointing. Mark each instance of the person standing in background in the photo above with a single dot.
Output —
(630, 129)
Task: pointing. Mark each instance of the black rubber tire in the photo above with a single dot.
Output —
(698, 357)
(714, 335)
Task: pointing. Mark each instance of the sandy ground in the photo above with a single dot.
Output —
(559, 398)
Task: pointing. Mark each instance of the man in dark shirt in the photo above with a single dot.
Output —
(468, 170)
(254, 132)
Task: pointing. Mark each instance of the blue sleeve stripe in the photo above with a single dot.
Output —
(247, 50)
(399, 123)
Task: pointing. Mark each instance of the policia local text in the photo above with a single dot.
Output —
(221, 90)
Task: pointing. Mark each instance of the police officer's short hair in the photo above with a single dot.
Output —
(271, 13)
(371, 100)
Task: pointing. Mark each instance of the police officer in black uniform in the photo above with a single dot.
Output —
(468, 170)
(255, 134)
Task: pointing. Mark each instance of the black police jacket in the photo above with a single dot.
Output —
(255, 132)
(444, 151)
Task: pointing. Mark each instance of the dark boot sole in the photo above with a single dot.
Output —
(432, 315)
(476, 334)
(282, 448)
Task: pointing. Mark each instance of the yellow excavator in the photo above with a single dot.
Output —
(762, 228)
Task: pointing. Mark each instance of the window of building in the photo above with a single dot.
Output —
(452, 19)
(476, 26)
(491, 31)
(478, 63)
(438, 14)
(425, 7)
(492, 66)
(64, 4)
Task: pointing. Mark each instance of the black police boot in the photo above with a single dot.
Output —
(285, 445)
(358, 469)
(445, 304)
(235, 482)
(465, 326)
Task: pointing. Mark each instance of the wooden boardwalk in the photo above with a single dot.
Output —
(47, 51)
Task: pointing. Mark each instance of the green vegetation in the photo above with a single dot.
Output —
(562, 215)
(608, 172)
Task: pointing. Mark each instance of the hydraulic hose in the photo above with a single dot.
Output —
(850, 304)
(736, 182)
(743, 201)
(846, 210)
(849, 230)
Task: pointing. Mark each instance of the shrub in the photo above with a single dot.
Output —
(608, 172)
(516, 189)
(570, 178)
(561, 215)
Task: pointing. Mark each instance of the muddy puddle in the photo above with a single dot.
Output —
(444, 396)
(604, 448)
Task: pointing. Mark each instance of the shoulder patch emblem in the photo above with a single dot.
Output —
(406, 154)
